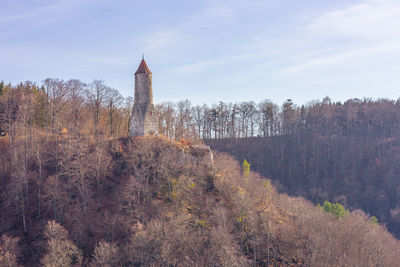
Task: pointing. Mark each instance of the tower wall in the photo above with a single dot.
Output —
(143, 119)
(143, 88)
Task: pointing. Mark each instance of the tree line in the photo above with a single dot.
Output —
(353, 118)
(59, 107)
(96, 108)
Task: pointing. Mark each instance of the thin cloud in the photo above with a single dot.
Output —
(344, 57)
(186, 32)
(369, 29)
(321, 62)
(37, 11)
(369, 20)
(60, 5)
(219, 11)
(161, 39)
(204, 64)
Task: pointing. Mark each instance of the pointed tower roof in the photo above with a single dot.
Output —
(143, 68)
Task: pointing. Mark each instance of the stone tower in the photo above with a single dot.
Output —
(143, 117)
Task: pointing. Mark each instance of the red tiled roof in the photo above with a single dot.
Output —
(143, 68)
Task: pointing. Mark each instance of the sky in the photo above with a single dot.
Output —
(208, 51)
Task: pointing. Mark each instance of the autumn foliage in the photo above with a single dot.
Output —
(75, 191)
(149, 201)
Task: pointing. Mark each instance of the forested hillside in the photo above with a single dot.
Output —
(357, 172)
(154, 202)
(75, 190)
(348, 153)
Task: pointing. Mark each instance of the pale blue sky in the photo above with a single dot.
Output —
(209, 50)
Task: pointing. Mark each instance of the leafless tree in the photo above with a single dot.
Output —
(113, 100)
(96, 97)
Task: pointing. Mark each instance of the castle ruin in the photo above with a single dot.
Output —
(143, 118)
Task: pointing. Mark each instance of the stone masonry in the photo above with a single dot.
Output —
(143, 120)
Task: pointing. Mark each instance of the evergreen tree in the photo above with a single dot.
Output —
(337, 209)
(246, 168)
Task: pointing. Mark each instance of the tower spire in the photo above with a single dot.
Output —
(143, 68)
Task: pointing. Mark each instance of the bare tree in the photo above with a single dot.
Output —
(60, 250)
(75, 101)
(9, 251)
(106, 254)
(198, 118)
(96, 97)
(268, 112)
(184, 125)
(113, 100)
(56, 93)
(126, 114)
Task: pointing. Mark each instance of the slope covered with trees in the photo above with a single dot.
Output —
(72, 190)
(339, 152)
(154, 202)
